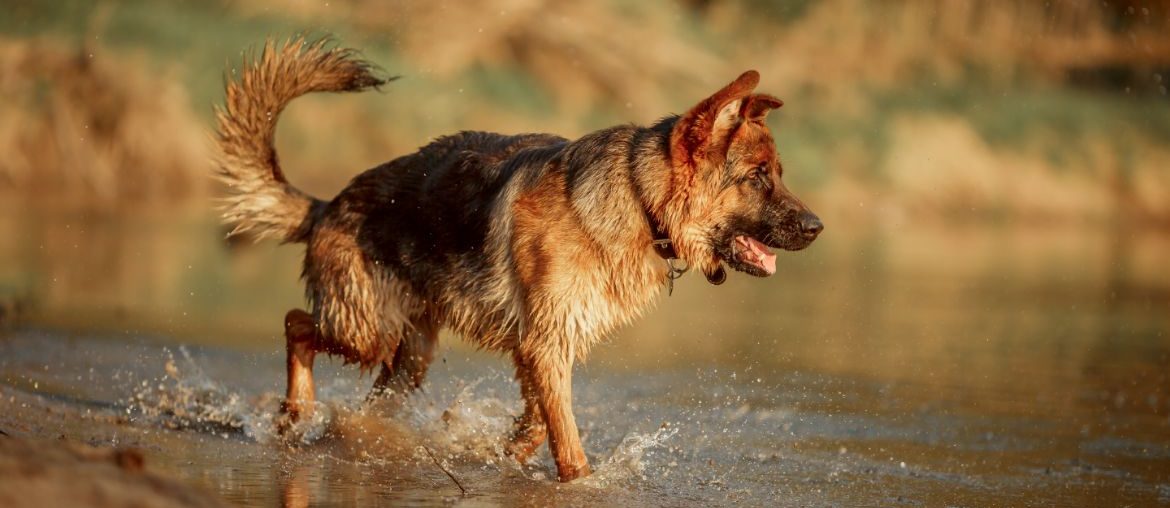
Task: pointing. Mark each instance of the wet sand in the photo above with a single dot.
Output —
(40, 472)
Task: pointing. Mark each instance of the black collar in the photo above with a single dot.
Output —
(664, 247)
(662, 244)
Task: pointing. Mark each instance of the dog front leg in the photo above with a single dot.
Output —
(552, 375)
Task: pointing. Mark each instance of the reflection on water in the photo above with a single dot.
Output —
(929, 365)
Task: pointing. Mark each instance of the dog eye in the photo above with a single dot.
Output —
(758, 173)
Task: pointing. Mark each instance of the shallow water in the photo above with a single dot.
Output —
(939, 366)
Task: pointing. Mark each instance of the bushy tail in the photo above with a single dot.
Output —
(260, 199)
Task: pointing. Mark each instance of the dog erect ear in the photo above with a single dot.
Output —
(705, 126)
(757, 106)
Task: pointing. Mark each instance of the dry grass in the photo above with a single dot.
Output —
(881, 97)
(630, 52)
(85, 127)
(585, 53)
(841, 43)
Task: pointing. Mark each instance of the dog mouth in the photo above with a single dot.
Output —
(754, 253)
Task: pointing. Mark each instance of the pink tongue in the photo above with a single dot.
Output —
(767, 260)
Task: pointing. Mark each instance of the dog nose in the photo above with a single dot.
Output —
(810, 224)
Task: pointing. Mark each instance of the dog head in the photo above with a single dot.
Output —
(732, 206)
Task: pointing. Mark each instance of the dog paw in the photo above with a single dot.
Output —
(297, 424)
(525, 440)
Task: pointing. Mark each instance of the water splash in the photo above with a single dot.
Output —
(474, 421)
(466, 425)
(626, 462)
(187, 398)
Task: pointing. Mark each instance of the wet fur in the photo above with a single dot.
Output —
(532, 245)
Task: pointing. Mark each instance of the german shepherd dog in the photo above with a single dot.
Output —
(531, 245)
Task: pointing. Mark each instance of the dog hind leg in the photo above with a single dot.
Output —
(301, 342)
(407, 370)
(530, 430)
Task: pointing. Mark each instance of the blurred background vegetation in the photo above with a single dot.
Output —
(1004, 111)
(1040, 127)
